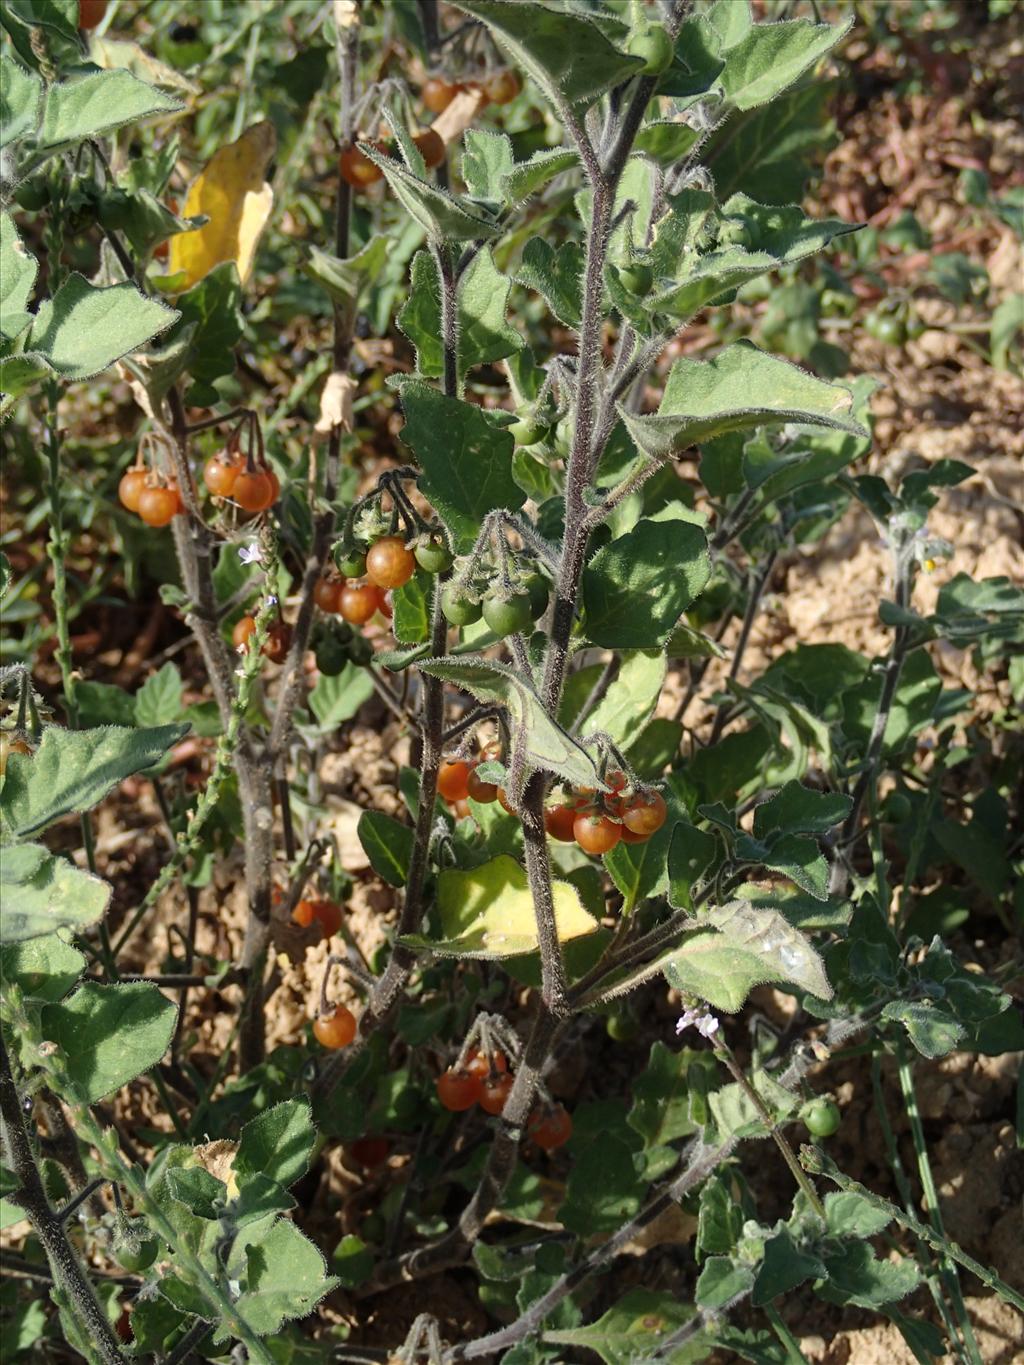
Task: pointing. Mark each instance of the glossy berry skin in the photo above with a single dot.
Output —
(278, 642)
(595, 833)
(158, 506)
(508, 616)
(538, 589)
(327, 594)
(645, 813)
(628, 837)
(383, 605)
(480, 790)
(655, 47)
(501, 87)
(637, 277)
(433, 556)
(550, 1128)
(458, 1090)
(130, 489)
(136, 1253)
(253, 492)
(352, 564)
(220, 476)
(453, 780)
(358, 602)
(459, 610)
(437, 94)
(90, 13)
(326, 914)
(494, 1091)
(243, 629)
(479, 1064)
(526, 432)
(504, 802)
(559, 821)
(370, 1151)
(430, 145)
(820, 1117)
(389, 563)
(336, 1029)
(358, 169)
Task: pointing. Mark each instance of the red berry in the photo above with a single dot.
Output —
(130, 489)
(453, 780)
(243, 629)
(221, 475)
(437, 94)
(325, 913)
(254, 492)
(336, 1029)
(278, 643)
(90, 13)
(559, 822)
(595, 833)
(480, 790)
(550, 1128)
(158, 506)
(458, 1090)
(494, 1091)
(358, 169)
(358, 602)
(431, 147)
(645, 813)
(501, 87)
(389, 563)
(479, 1064)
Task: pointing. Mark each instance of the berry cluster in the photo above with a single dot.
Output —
(278, 643)
(356, 168)
(487, 1082)
(154, 498)
(498, 87)
(507, 609)
(251, 486)
(320, 911)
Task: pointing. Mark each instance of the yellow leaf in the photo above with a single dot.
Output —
(232, 193)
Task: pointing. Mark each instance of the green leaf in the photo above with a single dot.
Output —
(488, 912)
(346, 280)
(209, 326)
(741, 388)
(466, 461)
(72, 770)
(104, 704)
(411, 606)
(528, 177)
(388, 845)
(201, 1193)
(800, 810)
(444, 217)
(41, 892)
(83, 329)
(89, 106)
(484, 335)
(18, 270)
(720, 1282)
(771, 57)
(336, 700)
(851, 1215)
(281, 1274)
(538, 743)
(628, 704)
(768, 152)
(783, 1268)
(108, 1035)
(932, 1028)
(636, 588)
(604, 1188)
(555, 273)
(159, 699)
(277, 1143)
(44, 968)
(566, 54)
(661, 1096)
(857, 1276)
(486, 160)
(353, 1260)
(20, 95)
(752, 946)
(720, 1217)
(21, 373)
(630, 1331)
(690, 854)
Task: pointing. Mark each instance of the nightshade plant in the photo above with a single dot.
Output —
(555, 544)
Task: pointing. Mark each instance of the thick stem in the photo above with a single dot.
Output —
(67, 1272)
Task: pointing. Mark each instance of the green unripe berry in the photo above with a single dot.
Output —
(331, 656)
(820, 1117)
(351, 562)
(897, 809)
(359, 649)
(526, 432)
(32, 195)
(655, 47)
(433, 556)
(459, 609)
(538, 589)
(637, 277)
(135, 1250)
(508, 615)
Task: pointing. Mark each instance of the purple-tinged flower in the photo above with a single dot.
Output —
(700, 1018)
(251, 554)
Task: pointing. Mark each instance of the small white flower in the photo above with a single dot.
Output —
(272, 600)
(251, 554)
(700, 1018)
